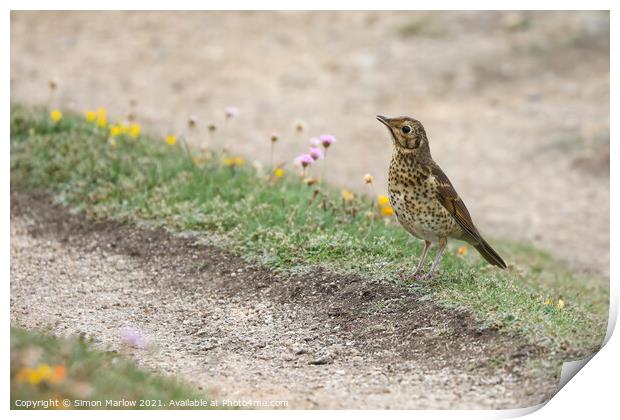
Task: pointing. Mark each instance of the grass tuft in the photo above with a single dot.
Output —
(67, 373)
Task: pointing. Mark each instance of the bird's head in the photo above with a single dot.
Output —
(407, 133)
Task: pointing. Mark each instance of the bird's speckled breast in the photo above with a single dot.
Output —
(413, 195)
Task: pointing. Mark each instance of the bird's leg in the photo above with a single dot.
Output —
(442, 247)
(418, 269)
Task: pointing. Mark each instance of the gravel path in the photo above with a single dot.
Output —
(239, 332)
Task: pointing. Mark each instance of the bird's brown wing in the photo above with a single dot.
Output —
(449, 198)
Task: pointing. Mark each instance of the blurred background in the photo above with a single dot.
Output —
(516, 104)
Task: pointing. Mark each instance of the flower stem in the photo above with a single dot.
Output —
(186, 148)
(323, 167)
(271, 156)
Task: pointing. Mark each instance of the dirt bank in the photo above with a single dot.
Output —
(232, 328)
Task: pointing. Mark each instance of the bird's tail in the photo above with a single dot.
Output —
(489, 253)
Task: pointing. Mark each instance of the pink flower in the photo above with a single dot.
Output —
(231, 112)
(134, 337)
(314, 141)
(327, 140)
(304, 160)
(316, 153)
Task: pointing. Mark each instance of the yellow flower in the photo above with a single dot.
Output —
(383, 200)
(549, 301)
(56, 115)
(278, 172)
(34, 377)
(23, 375)
(123, 128)
(387, 211)
(90, 116)
(347, 195)
(171, 140)
(560, 303)
(102, 119)
(134, 131)
(115, 131)
(43, 372)
(234, 161)
(462, 250)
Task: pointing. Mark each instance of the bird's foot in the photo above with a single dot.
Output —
(405, 277)
(428, 276)
(417, 276)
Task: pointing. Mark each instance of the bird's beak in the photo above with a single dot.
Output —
(384, 120)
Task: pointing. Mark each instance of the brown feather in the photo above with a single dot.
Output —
(449, 198)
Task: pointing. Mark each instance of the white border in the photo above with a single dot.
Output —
(592, 392)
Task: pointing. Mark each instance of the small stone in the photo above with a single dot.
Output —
(323, 360)
(299, 351)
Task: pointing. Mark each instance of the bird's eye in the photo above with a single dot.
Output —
(406, 129)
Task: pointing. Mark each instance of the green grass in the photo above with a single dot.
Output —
(290, 227)
(89, 376)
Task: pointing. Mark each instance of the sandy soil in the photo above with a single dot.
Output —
(516, 104)
(235, 331)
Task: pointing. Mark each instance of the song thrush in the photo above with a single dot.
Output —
(423, 199)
